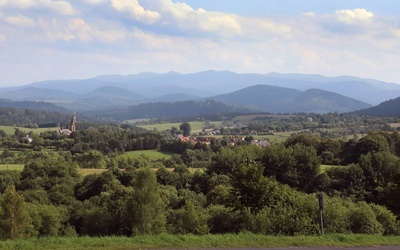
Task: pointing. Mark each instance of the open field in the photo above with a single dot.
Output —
(151, 154)
(394, 125)
(274, 138)
(246, 118)
(10, 129)
(18, 167)
(88, 171)
(196, 126)
(165, 241)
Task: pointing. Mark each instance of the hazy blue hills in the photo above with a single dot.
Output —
(36, 94)
(285, 100)
(387, 108)
(272, 92)
(210, 83)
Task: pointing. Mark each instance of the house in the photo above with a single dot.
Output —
(261, 143)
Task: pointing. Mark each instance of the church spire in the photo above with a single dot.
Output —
(72, 125)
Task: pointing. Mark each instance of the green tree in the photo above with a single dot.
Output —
(146, 208)
(251, 189)
(296, 165)
(14, 219)
(186, 128)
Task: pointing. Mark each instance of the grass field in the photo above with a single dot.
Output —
(196, 126)
(151, 154)
(274, 138)
(10, 129)
(88, 171)
(18, 167)
(166, 241)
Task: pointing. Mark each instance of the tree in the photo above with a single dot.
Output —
(186, 128)
(296, 165)
(145, 207)
(13, 216)
(250, 189)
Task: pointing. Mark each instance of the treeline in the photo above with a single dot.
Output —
(26, 117)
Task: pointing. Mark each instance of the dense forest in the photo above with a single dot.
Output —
(212, 187)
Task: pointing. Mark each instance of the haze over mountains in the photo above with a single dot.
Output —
(273, 92)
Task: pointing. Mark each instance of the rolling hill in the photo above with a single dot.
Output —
(387, 108)
(175, 109)
(274, 99)
(45, 106)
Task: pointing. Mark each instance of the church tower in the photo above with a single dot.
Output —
(72, 125)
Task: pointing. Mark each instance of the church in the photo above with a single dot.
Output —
(72, 127)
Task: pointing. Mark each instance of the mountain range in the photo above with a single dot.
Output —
(272, 92)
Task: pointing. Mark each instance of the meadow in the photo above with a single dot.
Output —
(167, 241)
(152, 154)
(196, 126)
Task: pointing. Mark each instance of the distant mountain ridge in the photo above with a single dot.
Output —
(118, 91)
(285, 100)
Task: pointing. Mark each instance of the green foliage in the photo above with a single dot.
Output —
(189, 219)
(296, 165)
(363, 220)
(46, 220)
(145, 207)
(186, 128)
(90, 159)
(14, 220)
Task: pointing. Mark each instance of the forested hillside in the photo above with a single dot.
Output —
(174, 109)
(275, 99)
(45, 106)
(387, 108)
(30, 117)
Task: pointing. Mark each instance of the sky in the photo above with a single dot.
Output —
(78, 39)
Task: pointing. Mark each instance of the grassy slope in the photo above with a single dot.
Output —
(151, 154)
(206, 241)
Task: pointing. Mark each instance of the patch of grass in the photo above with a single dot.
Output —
(88, 171)
(151, 154)
(324, 167)
(275, 137)
(166, 241)
(18, 167)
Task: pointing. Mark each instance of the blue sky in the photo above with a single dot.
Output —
(56, 39)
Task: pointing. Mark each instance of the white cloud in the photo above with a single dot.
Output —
(354, 16)
(77, 29)
(186, 18)
(2, 38)
(225, 25)
(135, 10)
(94, 2)
(20, 20)
(152, 41)
(59, 7)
